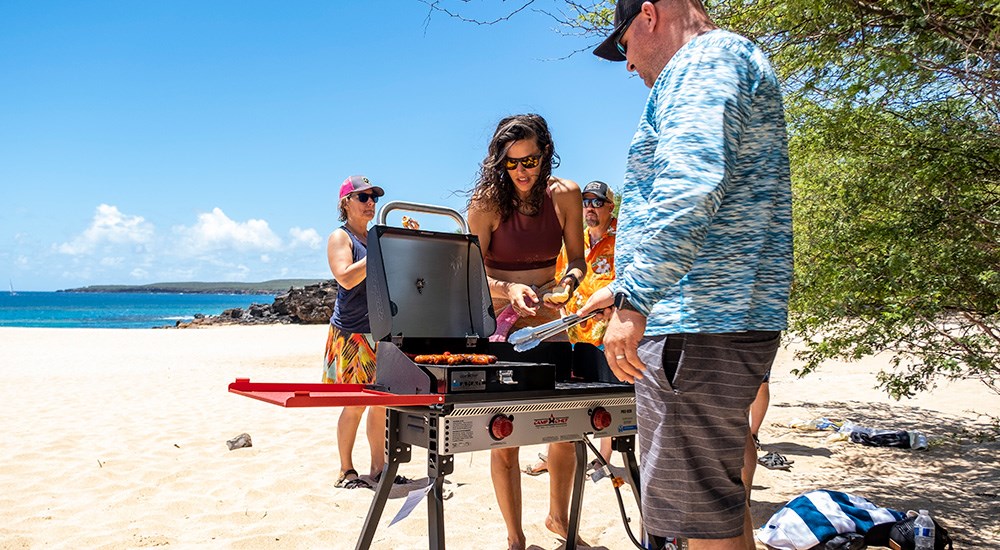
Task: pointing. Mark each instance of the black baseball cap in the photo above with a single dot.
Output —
(600, 189)
(625, 12)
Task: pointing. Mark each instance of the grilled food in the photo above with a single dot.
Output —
(447, 358)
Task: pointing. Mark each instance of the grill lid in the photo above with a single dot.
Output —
(426, 284)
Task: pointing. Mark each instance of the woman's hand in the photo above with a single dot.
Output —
(523, 299)
(559, 295)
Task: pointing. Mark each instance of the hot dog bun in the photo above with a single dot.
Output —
(558, 295)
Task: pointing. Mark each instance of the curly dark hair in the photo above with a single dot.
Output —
(494, 189)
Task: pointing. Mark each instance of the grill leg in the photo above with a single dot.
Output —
(626, 446)
(576, 503)
(438, 466)
(395, 452)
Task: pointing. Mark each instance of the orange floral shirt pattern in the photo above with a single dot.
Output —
(600, 272)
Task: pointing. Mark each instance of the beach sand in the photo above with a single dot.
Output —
(117, 439)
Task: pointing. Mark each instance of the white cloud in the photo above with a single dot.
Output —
(215, 231)
(305, 237)
(112, 261)
(139, 274)
(109, 226)
(238, 273)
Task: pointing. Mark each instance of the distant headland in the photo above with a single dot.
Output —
(276, 286)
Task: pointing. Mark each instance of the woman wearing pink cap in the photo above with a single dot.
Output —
(350, 350)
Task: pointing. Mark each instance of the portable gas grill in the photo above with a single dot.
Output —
(428, 294)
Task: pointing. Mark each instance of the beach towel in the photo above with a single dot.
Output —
(817, 516)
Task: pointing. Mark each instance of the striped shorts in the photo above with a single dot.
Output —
(692, 406)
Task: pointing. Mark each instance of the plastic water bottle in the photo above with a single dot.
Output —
(918, 441)
(923, 532)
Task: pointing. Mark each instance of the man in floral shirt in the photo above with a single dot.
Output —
(599, 249)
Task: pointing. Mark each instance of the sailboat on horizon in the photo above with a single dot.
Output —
(12, 293)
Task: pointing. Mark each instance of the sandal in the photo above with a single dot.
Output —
(354, 483)
(538, 468)
(399, 480)
(774, 461)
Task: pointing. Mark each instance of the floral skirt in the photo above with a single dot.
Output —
(349, 358)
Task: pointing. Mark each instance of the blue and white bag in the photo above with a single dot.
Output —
(817, 516)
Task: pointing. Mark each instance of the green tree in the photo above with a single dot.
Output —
(894, 117)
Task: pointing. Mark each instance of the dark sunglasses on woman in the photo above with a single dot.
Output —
(528, 162)
(593, 203)
(365, 197)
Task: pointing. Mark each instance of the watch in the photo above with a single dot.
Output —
(622, 303)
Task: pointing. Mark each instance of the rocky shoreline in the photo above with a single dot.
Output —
(308, 305)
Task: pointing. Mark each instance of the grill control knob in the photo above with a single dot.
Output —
(600, 418)
(501, 426)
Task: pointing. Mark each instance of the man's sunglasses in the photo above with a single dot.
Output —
(622, 48)
(529, 161)
(594, 203)
(365, 197)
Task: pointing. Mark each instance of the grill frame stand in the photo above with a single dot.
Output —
(400, 440)
(399, 450)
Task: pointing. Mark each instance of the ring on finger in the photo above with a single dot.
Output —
(619, 357)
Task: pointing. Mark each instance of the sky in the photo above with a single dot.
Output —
(145, 142)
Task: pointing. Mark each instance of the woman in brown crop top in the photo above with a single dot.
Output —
(523, 215)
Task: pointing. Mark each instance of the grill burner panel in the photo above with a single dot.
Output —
(538, 406)
(467, 428)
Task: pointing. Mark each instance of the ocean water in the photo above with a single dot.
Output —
(114, 309)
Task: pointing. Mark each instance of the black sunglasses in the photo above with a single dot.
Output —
(365, 197)
(594, 203)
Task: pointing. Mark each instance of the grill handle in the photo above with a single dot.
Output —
(383, 213)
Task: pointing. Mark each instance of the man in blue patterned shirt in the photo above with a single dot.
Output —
(703, 262)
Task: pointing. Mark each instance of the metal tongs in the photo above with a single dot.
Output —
(529, 337)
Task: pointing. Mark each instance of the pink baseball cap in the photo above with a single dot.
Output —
(354, 184)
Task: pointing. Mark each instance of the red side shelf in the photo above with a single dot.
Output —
(326, 395)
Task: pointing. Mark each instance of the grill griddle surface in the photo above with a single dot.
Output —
(474, 365)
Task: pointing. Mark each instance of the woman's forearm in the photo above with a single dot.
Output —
(353, 275)
(498, 288)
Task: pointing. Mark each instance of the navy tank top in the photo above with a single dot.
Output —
(350, 313)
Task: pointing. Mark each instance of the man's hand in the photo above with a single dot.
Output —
(621, 344)
(601, 299)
